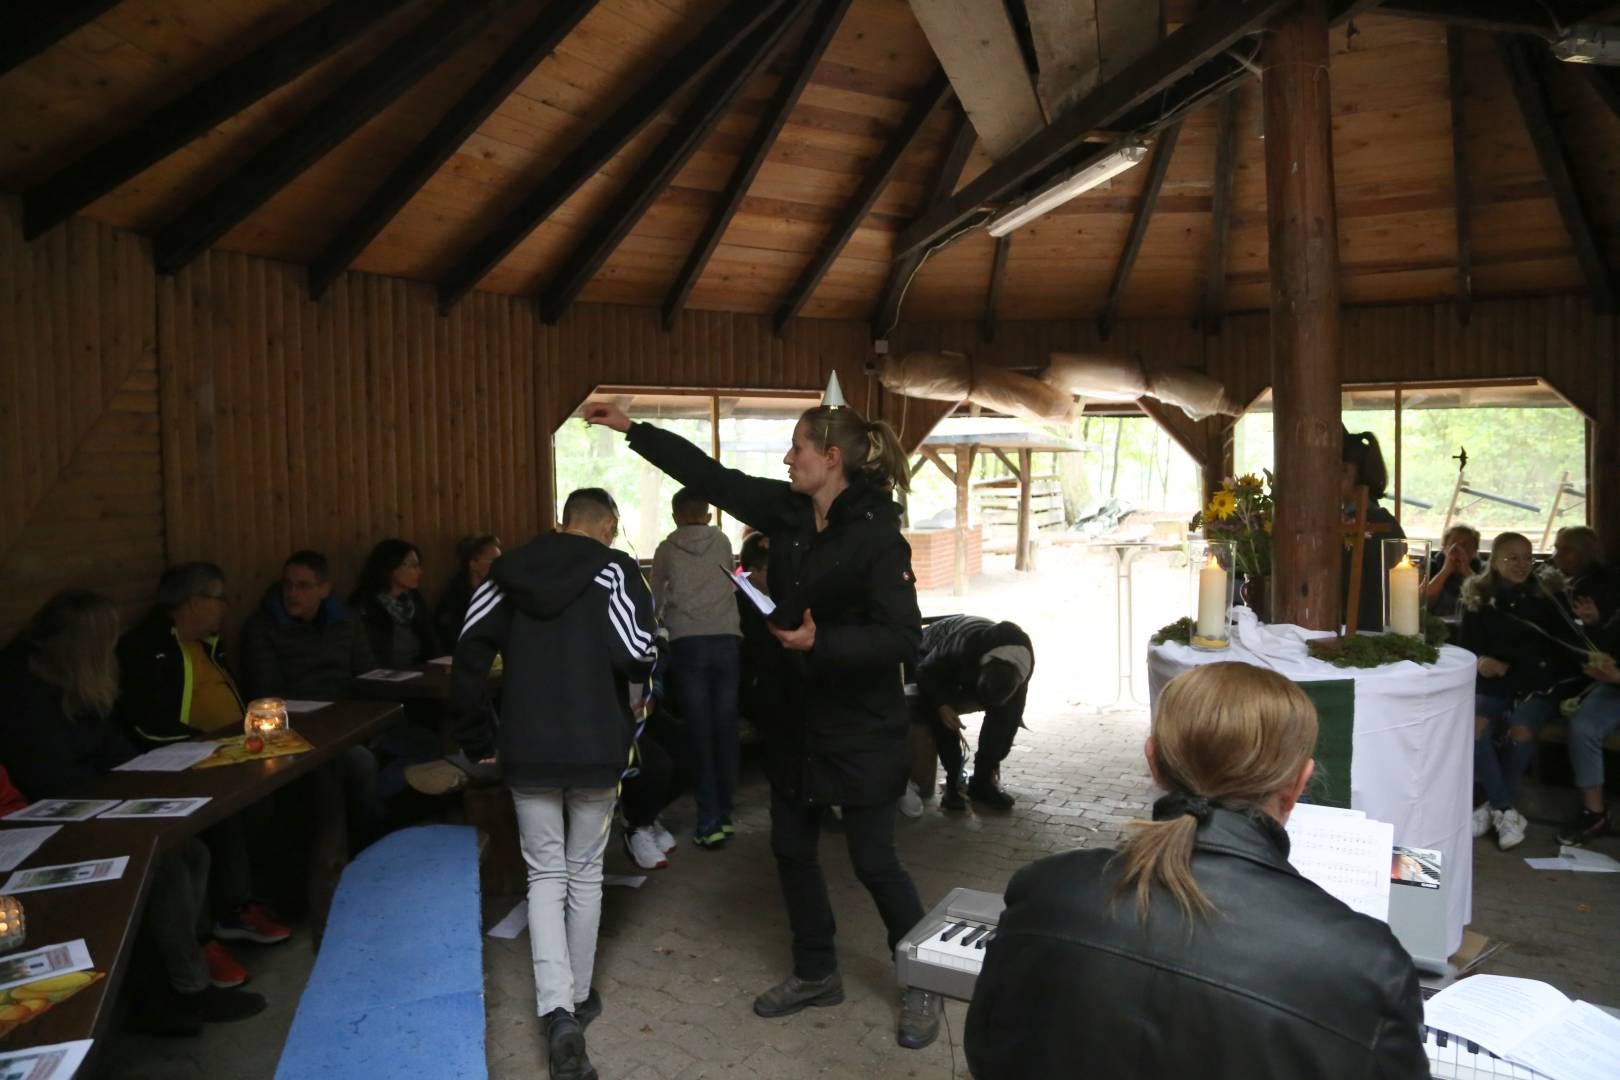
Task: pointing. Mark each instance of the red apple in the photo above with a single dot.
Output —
(254, 744)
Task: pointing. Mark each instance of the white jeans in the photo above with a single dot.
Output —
(564, 832)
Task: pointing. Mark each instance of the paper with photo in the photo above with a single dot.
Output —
(56, 1062)
(17, 844)
(389, 675)
(36, 878)
(175, 757)
(61, 810)
(43, 963)
(156, 808)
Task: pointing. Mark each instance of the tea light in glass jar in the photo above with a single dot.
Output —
(13, 927)
(266, 717)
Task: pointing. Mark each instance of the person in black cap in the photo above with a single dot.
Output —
(971, 665)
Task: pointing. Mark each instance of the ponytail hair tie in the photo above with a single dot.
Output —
(1180, 803)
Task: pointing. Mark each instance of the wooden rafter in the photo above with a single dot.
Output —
(1162, 152)
(933, 455)
(454, 128)
(717, 38)
(1018, 473)
(34, 27)
(1499, 16)
(992, 295)
(882, 168)
(1170, 75)
(1212, 307)
(216, 99)
(824, 24)
(904, 268)
(1174, 428)
(1526, 78)
(362, 96)
(1461, 176)
(666, 160)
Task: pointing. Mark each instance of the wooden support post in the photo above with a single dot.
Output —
(1552, 517)
(1162, 153)
(1212, 307)
(1461, 177)
(963, 475)
(998, 269)
(1304, 259)
(1026, 480)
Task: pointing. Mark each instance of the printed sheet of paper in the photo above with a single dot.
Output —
(763, 603)
(55, 877)
(1582, 1043)
(43, 963)
(1347, 855)
(390, 675)
(61, 810)
(295, 707)
(1578, 859)
(17, 844)
(1492, 1010)
(57, 1062)
(516, 921)
(175, 757)
(156, 808)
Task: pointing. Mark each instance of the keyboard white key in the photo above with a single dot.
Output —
(957, 945)
(1457, 1059)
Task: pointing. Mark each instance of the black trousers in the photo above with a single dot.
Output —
(869, 832)
(995, 737)
(663, 772)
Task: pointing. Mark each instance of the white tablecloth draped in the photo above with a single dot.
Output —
(1412, 763)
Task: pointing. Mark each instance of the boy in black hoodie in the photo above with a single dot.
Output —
(573, 618)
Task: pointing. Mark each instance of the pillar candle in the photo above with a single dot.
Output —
(1212, 600)
(1403, 598)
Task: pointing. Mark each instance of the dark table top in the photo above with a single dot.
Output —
(106, 914)
(433, 684)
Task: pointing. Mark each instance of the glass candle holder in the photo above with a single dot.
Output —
(266, 717)
(13, 926)
(1211, 565)
(1405, 576)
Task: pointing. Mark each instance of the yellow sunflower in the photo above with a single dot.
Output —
(1248, 480)
(1222, 505)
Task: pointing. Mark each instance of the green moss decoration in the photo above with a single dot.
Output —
(1374, 650)
(1179, 631)
(1435, 631)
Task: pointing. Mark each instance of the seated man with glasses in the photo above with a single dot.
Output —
(303, 642)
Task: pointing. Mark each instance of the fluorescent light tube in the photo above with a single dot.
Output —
(1584, 44)
(1076, 183)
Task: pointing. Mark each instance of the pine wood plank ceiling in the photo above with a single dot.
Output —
(1393, 150)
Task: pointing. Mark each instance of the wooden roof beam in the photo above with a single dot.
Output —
(718, 36)
(219, 97)
(1212, 307)
(1162, 152)
(367, 92)
(938, 88)
(455, 127)
(33, 28)
(666, 160)
(1523, 61)
(1461, 176)
(979, 50)
(1497, 16)
(992, 296)
(903, 269)
(1166, 77)
(822, 28)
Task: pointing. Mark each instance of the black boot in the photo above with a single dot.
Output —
(983, 788)
(951, 798)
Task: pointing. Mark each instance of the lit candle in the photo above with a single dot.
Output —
(1403, 598)
(1212, 600)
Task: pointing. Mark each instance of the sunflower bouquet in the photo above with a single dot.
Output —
(1240, 511)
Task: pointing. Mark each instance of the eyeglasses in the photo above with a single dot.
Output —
(213, 596)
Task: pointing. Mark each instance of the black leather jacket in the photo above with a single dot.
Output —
(1282, 981)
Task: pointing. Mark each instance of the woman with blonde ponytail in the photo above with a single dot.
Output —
(1196, 949)
(846, 619)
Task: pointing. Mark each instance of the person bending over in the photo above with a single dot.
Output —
(1196, 949)
(971, 665)
(846, 617)
(573, 619)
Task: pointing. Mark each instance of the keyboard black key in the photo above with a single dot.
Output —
(1441, 1039)
(956, 928)
(975, 936)
(1473, 1048)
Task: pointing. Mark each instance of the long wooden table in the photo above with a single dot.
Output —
(107, 915)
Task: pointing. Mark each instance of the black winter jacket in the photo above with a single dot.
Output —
(840, 734)
(1283, 981)
(1521, 626)
(284, 657)
(155, 679)
(948, 673)
(380, 631)
(573, 621)
(47, 752)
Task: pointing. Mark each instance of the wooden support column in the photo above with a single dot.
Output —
(1304, 259)
(1603, 443)
(1461, 176)
(1026, 480)
(963, 477)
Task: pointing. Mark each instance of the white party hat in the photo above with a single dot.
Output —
(834, 397)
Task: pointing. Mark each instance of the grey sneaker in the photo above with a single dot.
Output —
(793, 993)
(919, 1019)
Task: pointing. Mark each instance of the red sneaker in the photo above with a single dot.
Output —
(223, 970)
(252, 923)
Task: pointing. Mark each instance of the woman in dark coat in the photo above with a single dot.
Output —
(474, 556)
(389, 599)
(846, 617)
(1363, 466)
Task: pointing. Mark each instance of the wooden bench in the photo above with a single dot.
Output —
(398, 987)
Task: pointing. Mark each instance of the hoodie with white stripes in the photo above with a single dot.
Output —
(573, 620)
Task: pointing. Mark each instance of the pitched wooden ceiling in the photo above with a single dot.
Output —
(1393, 148)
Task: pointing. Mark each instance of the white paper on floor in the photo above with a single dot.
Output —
(517, 920)
(1574, 858)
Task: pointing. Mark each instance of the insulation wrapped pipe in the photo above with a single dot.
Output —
(953, 376)
(1122, 378)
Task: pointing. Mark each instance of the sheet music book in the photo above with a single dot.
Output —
(1530, 1024)
(1346, 853)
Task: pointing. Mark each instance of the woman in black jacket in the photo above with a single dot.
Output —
(846, 617)
(389, 599)
(1196, 949)
(1363, 466)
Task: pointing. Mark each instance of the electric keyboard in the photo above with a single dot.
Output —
(1458, 1059)
(944, 952)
